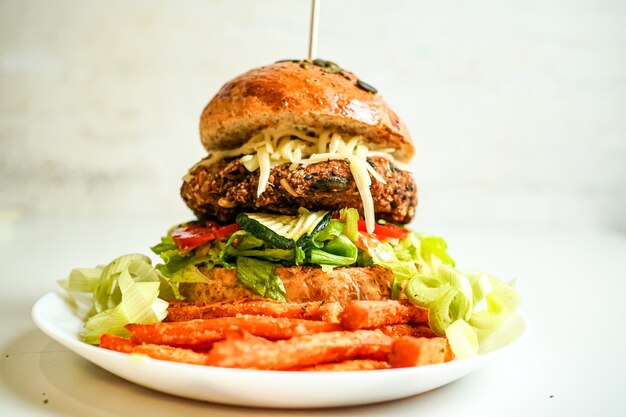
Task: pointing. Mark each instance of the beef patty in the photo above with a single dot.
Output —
(226, 188)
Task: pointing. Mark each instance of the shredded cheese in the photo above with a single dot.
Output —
(264, 168)
(284, 144)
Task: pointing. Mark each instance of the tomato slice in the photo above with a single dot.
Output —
(226, 231)
(193, 235)
(385, 231)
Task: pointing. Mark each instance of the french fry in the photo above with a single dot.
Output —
(351, 365)
(363, 314)
(203, 333)
(399, 330)
(276, 337)
(117, 343)
(172, 354)
(410, 351)
(252, 352)
(183, 334)
(325, 311)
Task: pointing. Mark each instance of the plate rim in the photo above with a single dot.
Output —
(46, 324)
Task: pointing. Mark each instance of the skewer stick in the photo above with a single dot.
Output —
(315, 7)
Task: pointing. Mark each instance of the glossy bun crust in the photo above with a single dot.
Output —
(302, 95)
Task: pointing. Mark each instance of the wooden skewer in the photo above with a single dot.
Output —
(315, 7)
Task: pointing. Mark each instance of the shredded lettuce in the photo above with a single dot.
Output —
(127, 290)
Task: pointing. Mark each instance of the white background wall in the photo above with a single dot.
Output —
(518, 109)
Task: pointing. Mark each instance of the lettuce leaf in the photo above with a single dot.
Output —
(260, 277)
(433, 249)
(323, 258)
(332, 247)
(383, 254)
(331, 231)
(182, 266)
(351, 218)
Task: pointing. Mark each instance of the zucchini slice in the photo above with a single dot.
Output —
(284, 231)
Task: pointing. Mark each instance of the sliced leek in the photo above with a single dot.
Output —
(125, 291)
(466, 306)
(463, 339)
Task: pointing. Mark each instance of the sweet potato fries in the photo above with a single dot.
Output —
(260, 334)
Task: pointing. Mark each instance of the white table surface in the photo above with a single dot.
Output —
(572, 284)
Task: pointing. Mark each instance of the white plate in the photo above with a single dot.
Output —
(258, 388)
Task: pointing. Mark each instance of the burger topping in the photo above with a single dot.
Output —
(385, 231)
(284, 231)
(260, 277)
(193, 235)
(365, 86)
(329, 67)
(285, 145)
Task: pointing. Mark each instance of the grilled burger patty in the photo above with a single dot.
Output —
(226, 188)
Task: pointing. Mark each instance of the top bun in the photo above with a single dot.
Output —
(301, 94)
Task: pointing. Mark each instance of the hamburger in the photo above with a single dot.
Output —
(304, 194)
(303, 197)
